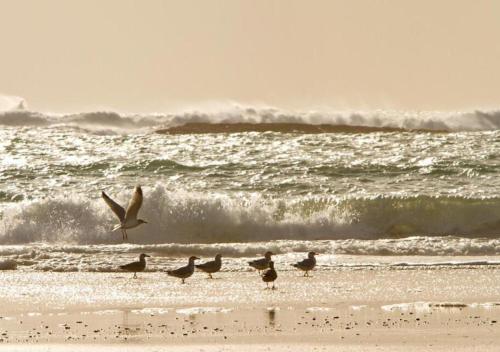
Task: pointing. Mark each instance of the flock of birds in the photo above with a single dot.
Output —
(264, 264)
(128, 220)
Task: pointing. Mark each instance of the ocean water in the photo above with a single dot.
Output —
(382, 193)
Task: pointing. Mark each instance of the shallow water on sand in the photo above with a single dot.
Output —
(53, 292)
(351, 308)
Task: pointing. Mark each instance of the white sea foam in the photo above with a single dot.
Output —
(106, 258)
(182, 217)
(485, 305)
(417, 306)
(106, 312)
(34, 314)
(202, 310)
(318, 309)
(273, 309)
(151, 311)
(428, 306)
(10, 103)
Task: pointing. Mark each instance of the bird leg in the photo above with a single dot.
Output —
(273, 288)
(182, 280)
(210, 275)
(135, 275)
(123, 235)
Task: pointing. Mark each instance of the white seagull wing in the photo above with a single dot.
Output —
(115, 207)
(135, 204)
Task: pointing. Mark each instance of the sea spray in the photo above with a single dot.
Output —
(191, 217)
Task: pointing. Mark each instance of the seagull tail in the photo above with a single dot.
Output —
(117, 227)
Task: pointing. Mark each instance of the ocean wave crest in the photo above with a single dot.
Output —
(183, 217)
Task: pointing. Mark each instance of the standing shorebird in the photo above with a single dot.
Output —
(136, 267)
(307, 264)
(212, 266)
(270, 275)
(261, 264)
(128, 219)
(185, 271)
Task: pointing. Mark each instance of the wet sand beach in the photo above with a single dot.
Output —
(341, 325)
(349, 309)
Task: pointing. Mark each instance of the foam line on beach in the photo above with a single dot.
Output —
(202, 310)
(427, 306)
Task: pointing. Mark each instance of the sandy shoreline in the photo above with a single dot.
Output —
(366, 327)
(359, 309)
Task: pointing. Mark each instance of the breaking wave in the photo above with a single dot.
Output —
(11, 103)
(183, 217)
(380, 119)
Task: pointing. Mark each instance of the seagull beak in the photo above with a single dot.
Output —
(147, 256)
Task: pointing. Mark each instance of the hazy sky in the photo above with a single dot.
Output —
(151, 55)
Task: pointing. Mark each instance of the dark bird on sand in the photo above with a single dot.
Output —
(307, 264)
(128, 218)
(136, 267)
(270, 275)
(261, 264)
(185, 271)
(211, 266)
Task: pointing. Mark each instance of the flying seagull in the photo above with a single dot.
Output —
(136, 267)
(261, 264)
(128, 219)
(185, 271)
(307, 264)
(212, 266)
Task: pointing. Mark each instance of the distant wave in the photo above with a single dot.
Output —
(103, 119)
(11, 103)
(181, 217)
(364, 121)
